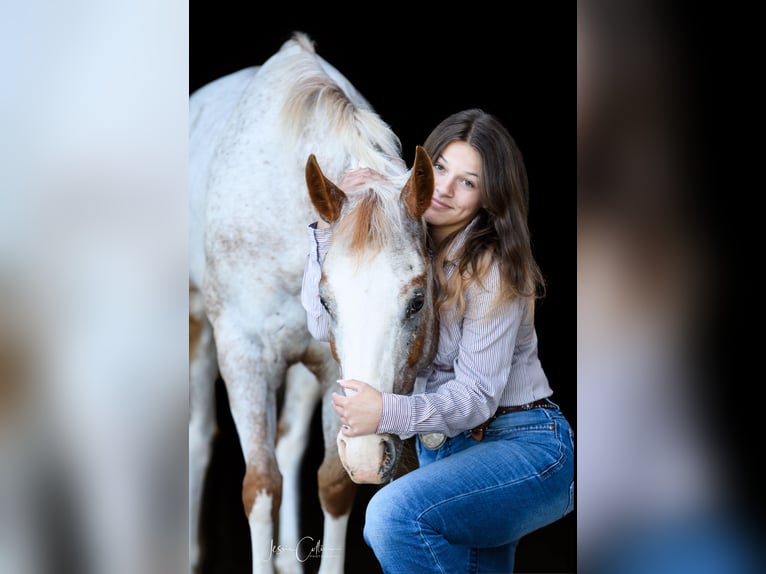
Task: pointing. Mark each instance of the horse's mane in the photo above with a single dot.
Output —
(326, 112)
(325, 115)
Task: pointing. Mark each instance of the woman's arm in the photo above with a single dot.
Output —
(317, 318)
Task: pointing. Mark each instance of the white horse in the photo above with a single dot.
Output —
(258, 138)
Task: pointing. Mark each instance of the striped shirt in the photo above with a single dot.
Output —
(486, 357)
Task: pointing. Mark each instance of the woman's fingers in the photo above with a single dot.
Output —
(360, 412)
(339, 410)
(351, 384)
(357, 177)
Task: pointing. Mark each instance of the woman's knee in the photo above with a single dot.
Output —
(376, 516)
(388, 512)
(374, 522)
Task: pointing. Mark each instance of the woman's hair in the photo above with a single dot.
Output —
(501, 233)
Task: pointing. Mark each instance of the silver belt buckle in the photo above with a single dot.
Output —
(433, 440)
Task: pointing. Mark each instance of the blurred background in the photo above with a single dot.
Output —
(660, 375)
(93, 286)
(664, 365)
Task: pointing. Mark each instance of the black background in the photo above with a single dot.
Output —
(517, 63)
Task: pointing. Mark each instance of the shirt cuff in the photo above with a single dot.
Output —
(397, 414)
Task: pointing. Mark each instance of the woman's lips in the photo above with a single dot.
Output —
(438, 204)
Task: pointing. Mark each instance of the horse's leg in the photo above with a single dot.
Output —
(252, 371)
(203, 371)
(336, 493)
(336, 490)
(302, 393)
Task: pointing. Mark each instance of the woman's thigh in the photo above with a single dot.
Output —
(489, 493)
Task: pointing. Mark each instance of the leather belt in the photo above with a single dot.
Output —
(478, 432)
(434, 440)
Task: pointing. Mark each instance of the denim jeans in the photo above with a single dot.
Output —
(469, 503)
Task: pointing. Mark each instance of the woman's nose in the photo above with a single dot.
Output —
(444, 187)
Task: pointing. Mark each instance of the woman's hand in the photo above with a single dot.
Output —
(360, 413)
(355, 178)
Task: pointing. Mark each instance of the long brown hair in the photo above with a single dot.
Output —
(501, 232)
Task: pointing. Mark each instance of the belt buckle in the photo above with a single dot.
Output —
(432, 440)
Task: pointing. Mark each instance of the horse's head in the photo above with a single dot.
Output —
(377, 287)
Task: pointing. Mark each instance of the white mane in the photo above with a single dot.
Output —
(320, 105)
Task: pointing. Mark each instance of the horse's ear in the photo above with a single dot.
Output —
(327, 197)
(417, 192)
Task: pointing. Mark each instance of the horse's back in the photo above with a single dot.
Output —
(257, 206)
(210, 107)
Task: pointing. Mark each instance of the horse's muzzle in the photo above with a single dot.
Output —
(370, 459)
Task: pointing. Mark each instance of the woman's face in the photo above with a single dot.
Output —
(456, 198)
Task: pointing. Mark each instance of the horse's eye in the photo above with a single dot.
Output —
(415, 305)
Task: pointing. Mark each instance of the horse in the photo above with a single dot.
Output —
(268, 145)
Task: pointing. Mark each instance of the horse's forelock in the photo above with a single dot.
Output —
(370, 221)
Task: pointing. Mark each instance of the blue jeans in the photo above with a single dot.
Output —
(469, 503)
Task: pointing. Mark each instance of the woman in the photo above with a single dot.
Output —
(495, 454)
